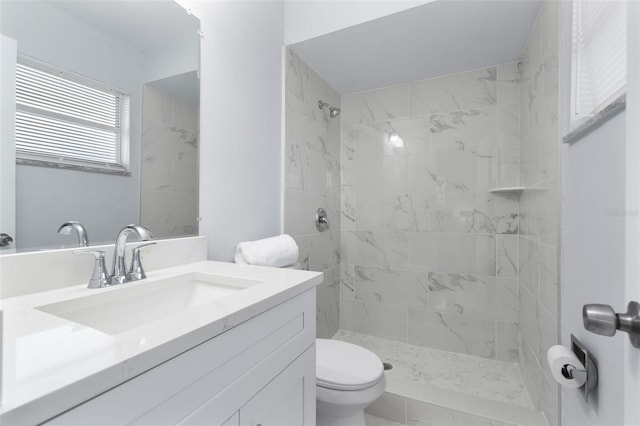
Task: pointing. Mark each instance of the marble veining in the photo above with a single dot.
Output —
(406, 213)
(387, 249)
(303, 83)
(471, 213)
(539, 210)
(325, 251)
(347, 281)
(509, 83)
(452, 252)
(297, 158)
(392, 212)
(347, 211)
(454, 93)
(327, 306)
(490, 379)
(549, 279)
(313, 179)
(459, 333)
(422, 237)
(348, 138)
(490, 297)
(386, 285)
(376, 319)
(168, 170)
(507, 256)
(377, 105)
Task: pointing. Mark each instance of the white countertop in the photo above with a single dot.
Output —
(51, 364)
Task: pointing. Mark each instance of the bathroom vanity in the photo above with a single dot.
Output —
(202, 343)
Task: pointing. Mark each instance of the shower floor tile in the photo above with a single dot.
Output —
(480, 377)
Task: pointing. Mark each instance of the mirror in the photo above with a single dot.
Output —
(148, 51)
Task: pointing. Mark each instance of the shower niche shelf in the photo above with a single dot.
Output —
(507, 190)
(514, 189)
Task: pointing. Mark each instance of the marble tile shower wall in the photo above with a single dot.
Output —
(169, 168)
(539, 209)
(429, 255)
(312, 180)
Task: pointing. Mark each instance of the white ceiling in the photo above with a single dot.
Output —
(307, 19)
(144, 23)
(438, 38)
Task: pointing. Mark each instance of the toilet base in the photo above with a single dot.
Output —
(345, 408)
(355, 420)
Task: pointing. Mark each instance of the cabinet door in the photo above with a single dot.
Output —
(288, 400)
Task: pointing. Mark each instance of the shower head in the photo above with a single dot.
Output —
(333, 112)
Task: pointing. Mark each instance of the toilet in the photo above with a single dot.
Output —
(348, 379)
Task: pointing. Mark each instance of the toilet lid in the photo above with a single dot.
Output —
(345, 366)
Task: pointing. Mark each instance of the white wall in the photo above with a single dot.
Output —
(632, 230)
(8, 50)
(312, 180)
(539, 210)
(593, 262)
(600, 240)
(308, 19)
(601, 201)
(103, 203)
(178, 57)
(240, 116)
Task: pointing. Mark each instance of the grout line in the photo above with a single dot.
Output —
(495, 343)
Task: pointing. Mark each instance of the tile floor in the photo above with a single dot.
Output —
(489, 379)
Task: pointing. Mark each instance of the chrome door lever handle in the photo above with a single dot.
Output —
(603, 320)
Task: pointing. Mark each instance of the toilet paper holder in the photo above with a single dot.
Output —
(589, 376)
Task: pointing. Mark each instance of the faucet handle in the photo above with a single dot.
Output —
(136, 272)
(99, 277)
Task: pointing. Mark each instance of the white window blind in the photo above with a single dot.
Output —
(67, 120)
(599, 55)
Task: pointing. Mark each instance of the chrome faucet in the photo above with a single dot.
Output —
(119, 269)
(119, 274)
(65, 229)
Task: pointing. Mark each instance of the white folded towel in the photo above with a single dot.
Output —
(275, 251)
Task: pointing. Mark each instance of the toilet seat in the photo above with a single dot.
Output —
(344, 366)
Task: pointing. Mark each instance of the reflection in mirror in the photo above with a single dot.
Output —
(145, 52)
(169, 156)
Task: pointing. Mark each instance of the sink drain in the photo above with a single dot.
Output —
(387, 366)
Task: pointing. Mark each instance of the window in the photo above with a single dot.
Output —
(65, 120)
(599, 56)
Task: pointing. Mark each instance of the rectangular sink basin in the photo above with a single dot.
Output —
(129, 307)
